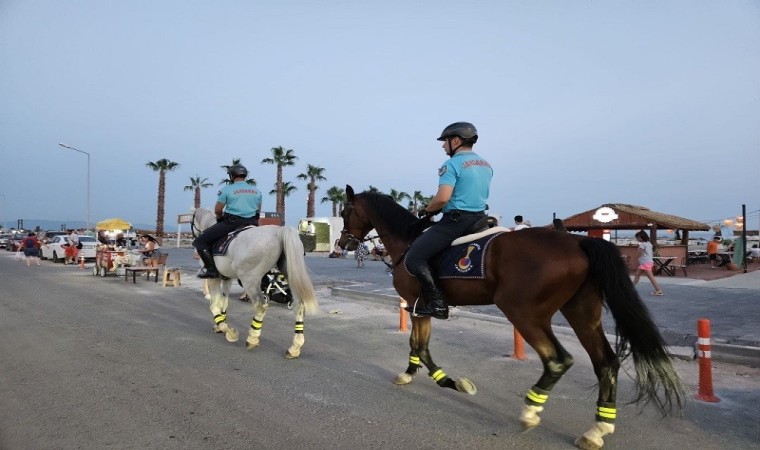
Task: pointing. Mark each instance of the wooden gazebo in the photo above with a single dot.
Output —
(620, 216)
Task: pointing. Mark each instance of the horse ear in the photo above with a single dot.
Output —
(349, 193)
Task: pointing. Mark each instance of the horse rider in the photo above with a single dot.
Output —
(237, 205)
(463, 186)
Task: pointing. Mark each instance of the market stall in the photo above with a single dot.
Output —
(113, 247)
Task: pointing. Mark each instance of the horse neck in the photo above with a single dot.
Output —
(204, 221)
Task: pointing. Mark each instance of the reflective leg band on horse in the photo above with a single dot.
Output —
(440, 377)
(414, 364)
(219, 318)
(536, 396)
(257, 324)
(299, 327)
(606, 412)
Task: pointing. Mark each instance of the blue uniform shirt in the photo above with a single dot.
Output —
(471, 177)
(240, 199)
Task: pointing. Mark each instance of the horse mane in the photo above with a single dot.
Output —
(397, 219)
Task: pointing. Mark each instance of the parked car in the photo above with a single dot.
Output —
(50, 234)
(4, 240)
(55, 250)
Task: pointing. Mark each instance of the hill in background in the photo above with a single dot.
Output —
(32, 224)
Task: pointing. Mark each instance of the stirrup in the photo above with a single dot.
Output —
(428, 311)
(208, 273)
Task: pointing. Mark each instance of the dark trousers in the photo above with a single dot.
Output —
(221, 229)
(438, 237)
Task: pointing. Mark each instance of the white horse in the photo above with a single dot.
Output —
(250, 256)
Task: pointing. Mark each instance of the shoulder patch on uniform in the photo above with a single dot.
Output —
(441, 171)
(219, 193)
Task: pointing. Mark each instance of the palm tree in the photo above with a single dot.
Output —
(196, 184)
(161, 166)
(398, 196)
(337, 196)
(227, 180)
(286, 189)
(280, 158)
(416, 199)
(313, 174)
(374, 190)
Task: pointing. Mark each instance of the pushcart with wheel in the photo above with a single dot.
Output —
(104, 260)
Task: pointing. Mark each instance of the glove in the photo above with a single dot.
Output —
(220, 219)
(423, 214)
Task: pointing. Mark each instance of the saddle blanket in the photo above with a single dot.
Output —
(221, 246)
(464, 260)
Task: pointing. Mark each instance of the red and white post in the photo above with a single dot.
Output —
(519, 345)
(402, 320)
(704, 352)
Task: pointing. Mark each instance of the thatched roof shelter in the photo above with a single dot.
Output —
(621, 216)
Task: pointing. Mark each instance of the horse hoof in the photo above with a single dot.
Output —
(586, 444)
(250, 345)
(231, 335)
(465, 385)
(403, 378)
(529, 416)
(530, 424)
(289, 355)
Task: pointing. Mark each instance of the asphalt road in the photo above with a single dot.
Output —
(90, 362)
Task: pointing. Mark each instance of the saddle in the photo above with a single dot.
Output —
(221, 246)
(466, 256)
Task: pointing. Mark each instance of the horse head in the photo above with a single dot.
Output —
(356, 222)
(367, 210)
(202, 219)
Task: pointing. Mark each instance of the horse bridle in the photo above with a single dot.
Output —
(193, 227)
(347, 210)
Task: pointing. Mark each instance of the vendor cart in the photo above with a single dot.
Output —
(104, 261)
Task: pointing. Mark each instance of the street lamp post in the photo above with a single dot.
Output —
(88, 180)
(3, 221)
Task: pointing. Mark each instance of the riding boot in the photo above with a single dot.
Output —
(435, 305)
(209, 267)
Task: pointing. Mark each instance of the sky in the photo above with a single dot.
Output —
(577, 103)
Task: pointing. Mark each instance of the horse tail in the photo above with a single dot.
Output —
(637, 333)
(298, 276)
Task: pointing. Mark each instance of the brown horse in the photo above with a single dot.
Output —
(529, 276)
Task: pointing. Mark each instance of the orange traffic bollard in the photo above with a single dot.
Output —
(81, 262)
(705, 362)
(402, 326)
(519, 346)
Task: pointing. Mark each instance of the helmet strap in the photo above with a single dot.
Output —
(452, 151)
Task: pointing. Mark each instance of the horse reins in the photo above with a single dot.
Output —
(351, 237)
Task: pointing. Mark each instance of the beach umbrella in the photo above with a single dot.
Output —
(113, 224)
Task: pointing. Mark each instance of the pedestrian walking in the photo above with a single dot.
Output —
(646, 262)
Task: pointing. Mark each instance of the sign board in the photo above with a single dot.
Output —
(184, 218)
(605, 214)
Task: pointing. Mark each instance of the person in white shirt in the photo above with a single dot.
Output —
(72, 250)
(519, 224)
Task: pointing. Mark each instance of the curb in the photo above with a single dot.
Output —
(727, 353)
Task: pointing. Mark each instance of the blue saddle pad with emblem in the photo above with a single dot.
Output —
(464, 260)
(221, 246)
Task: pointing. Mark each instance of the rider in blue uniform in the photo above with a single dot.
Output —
(463, 187)
(237, 205)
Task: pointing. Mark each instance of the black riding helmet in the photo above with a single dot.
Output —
(465, 131)
(236, 171)
(462, 130)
